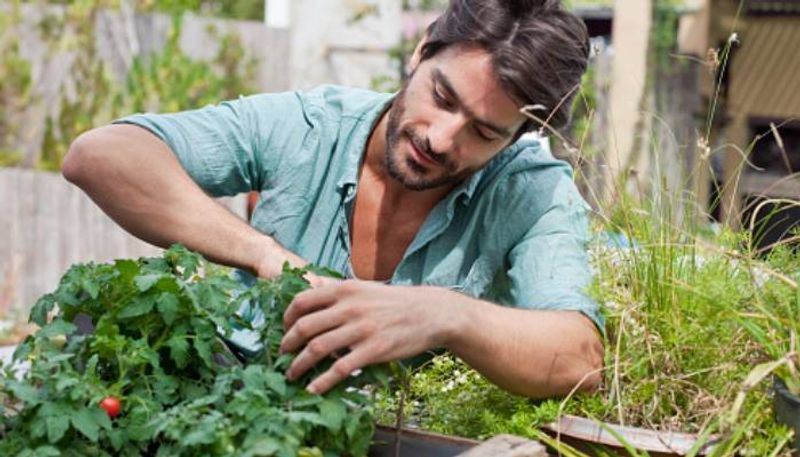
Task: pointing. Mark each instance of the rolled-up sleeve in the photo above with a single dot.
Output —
(550, 264)
(234, 146)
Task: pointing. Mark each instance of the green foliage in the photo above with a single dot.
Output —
(156, 346)
(168, 80)
(447, 396)
(90, 82)
(192, 84)
(688, 319)
(237, 9)
(425, 5)
(664, 32)
(229, 9)
(15, 83)
(582, 115)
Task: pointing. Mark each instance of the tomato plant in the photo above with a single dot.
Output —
(153, 332)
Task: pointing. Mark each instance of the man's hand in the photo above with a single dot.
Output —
(377, 322)
(537, 353)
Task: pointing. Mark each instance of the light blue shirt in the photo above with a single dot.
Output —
(514, 233)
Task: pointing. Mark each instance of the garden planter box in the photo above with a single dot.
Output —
(787, 410)
(417, 443)
(590, 436)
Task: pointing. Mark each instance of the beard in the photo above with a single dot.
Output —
(407, 171)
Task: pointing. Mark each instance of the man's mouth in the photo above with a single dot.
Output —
(421, 157)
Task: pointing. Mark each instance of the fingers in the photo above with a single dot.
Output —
(320, 347)
(341, 369)
(309, 326)
(307, 302)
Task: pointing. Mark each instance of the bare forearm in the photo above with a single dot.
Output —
(532, 353)
(138, 182)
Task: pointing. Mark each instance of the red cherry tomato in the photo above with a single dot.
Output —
(112, 406)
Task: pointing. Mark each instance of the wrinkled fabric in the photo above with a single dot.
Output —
(514, 233)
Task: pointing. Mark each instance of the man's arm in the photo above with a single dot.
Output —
(537, 353)
(137, 180)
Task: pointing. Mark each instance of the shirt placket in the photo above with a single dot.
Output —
(345, 209)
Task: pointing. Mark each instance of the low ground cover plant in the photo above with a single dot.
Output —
(695, 323)
(129, 360)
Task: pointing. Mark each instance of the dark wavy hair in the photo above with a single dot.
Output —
(539, 50)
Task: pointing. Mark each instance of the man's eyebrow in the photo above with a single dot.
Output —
(441, 79)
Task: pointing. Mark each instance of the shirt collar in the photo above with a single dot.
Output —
(357, 144)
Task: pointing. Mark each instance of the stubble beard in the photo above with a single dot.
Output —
(414, 176)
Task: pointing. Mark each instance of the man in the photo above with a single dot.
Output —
(426, 197)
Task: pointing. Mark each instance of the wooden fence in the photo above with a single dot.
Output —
(47, 224)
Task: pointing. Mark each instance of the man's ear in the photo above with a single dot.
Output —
(413, 62)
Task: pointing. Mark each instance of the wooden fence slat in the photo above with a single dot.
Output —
(46, 225)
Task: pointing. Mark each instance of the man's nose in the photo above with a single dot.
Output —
(444, 132)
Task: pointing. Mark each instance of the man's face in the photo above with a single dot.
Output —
(449, 120)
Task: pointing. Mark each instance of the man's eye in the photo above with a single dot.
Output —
(483, 136)
(441, 100)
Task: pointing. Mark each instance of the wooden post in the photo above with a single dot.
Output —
(632, 22)
(733, 167)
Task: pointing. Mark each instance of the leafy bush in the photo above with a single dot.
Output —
(156, 347)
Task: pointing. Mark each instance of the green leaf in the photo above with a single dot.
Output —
(25, 392)
(128, 269)
(276, 382)
(184, 259)
(56, 427)
(46, 451)
(167, 305)
(310, 452)
(91, 287)
(252, 377)
(333, 412)
(165, 387)
(58, 358)
(100, 417)
(24, 349)
(179, 350)
(323, 271)
(117, 438)
(84, 421)
(146, 281)
(57, 327)
(203, 348)
(204, 431)
(40, 310)
(38, 428)
(307, 417)
(138, 307)
(265, 446)
(65, 383)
